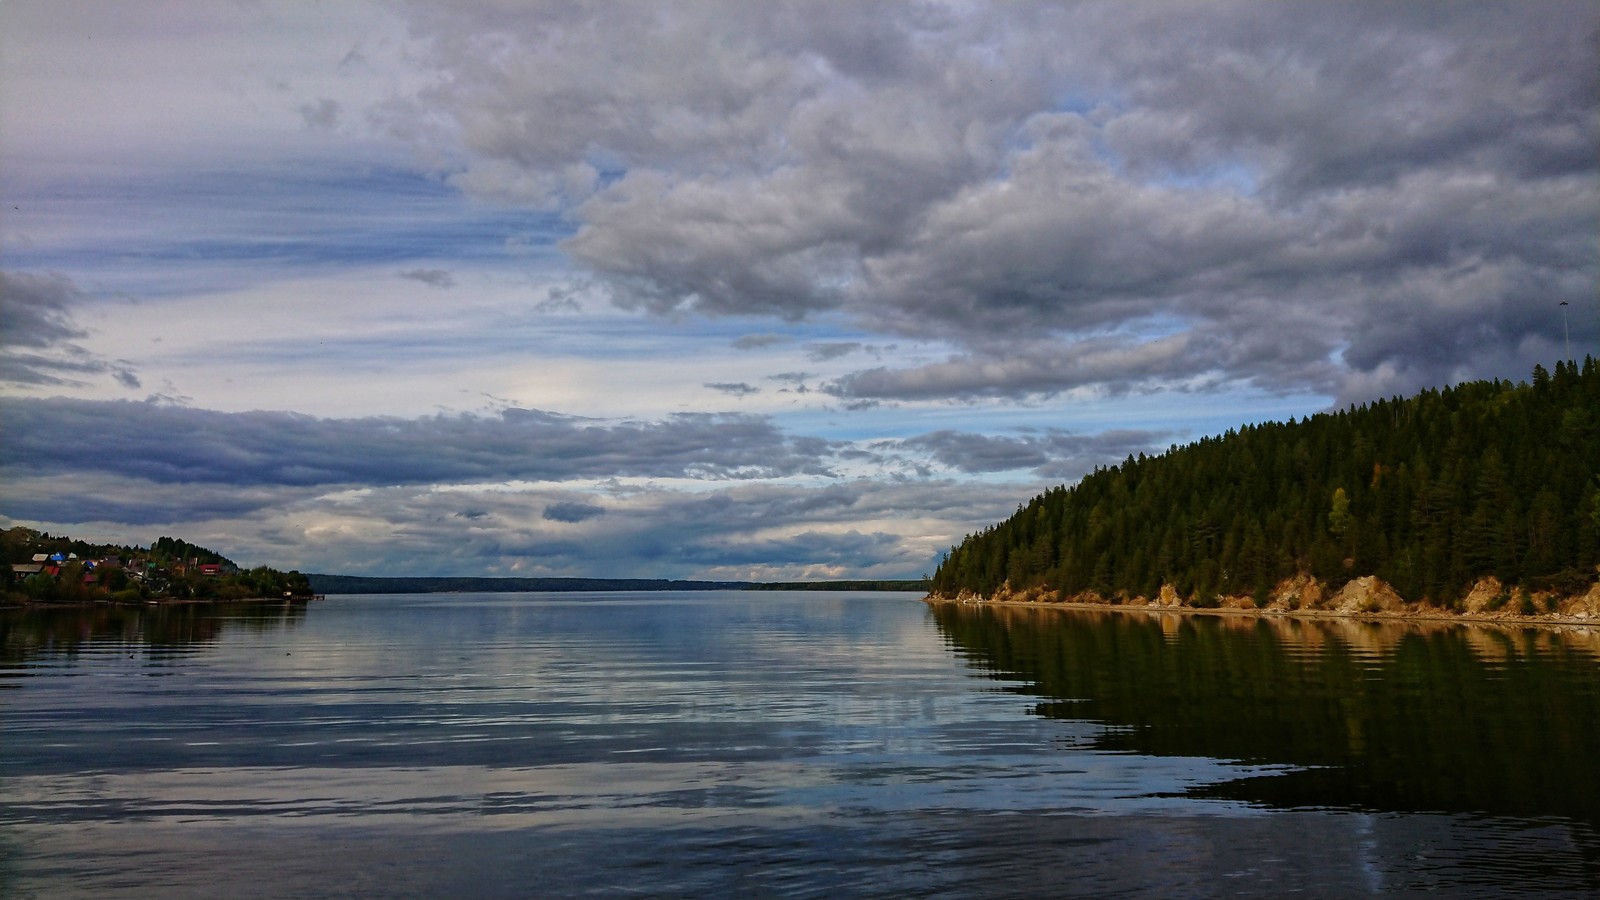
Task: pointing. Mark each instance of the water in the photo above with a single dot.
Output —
(804, 745)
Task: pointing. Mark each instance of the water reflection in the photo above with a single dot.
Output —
(42, 632)
(717, 745)
(1404, 717)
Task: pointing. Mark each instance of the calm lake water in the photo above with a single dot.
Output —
(787, 744)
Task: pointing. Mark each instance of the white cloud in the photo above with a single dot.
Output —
(973, 175)
(895, 235)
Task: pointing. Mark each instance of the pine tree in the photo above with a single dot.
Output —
(1430, 493)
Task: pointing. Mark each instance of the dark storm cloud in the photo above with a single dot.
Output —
(34, 310)
(850, 550)
(1051, 454)
(757, 341)
(744, 530)
(572, 512)
(826, 350)
(736, 389)
(1028, 368)
(169, 444)
(773, 531)
(1329, 95)
(324, 114)
(84, 496)
(37, 330)
(438, 278)
(737, 531)
(1346, 198)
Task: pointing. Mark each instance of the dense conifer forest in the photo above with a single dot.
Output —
(1430, 494)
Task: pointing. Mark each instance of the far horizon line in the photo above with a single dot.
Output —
(340, 584)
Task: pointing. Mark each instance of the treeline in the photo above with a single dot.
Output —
(1429, 493)
(170, 549)
(76, 571)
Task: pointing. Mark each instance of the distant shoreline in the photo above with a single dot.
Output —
(362, 584)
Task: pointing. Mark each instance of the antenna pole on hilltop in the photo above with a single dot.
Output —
(1566, 330)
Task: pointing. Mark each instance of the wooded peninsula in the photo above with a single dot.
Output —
(1481, 499)
(45, 568)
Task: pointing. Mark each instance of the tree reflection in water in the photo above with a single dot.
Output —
(44, 632)
(1378, 716)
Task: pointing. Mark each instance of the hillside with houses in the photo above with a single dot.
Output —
(43, 568)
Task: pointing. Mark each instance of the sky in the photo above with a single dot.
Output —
(744, 290)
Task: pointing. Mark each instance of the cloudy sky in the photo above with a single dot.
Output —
(736, 290)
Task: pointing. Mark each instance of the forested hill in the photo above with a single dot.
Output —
(40, 567)
(1429, 494)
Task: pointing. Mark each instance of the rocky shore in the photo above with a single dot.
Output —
(1368, 597)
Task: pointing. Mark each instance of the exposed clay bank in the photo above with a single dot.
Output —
(1367, 598)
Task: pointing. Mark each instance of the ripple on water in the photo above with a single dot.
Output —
(798, 745)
